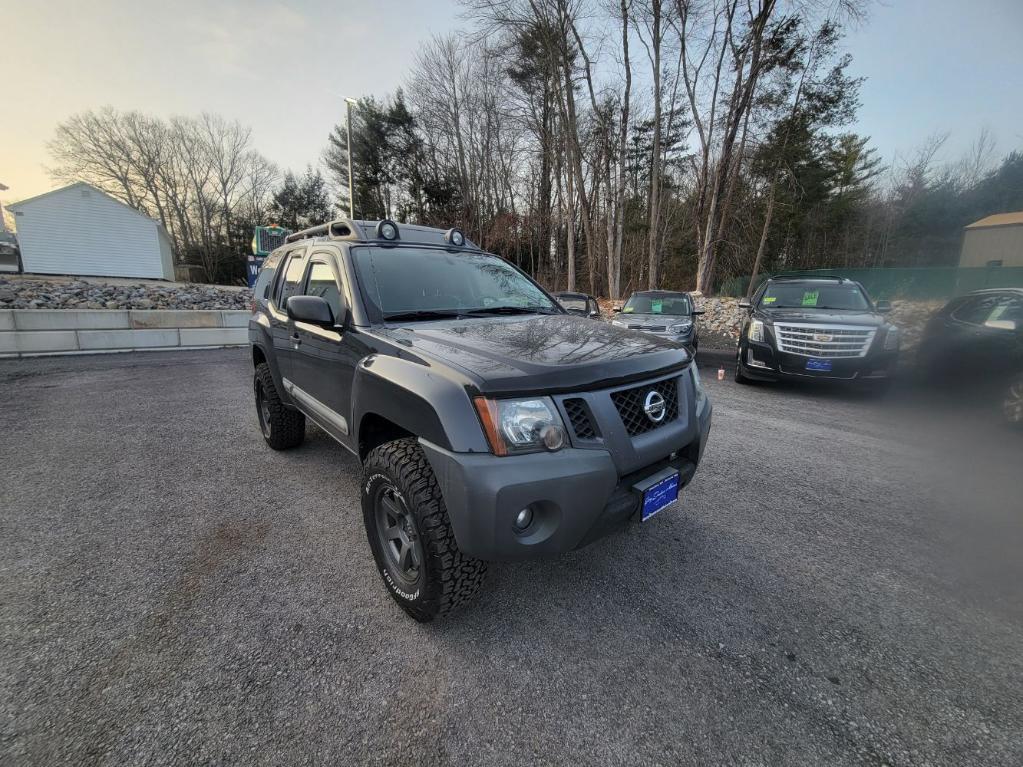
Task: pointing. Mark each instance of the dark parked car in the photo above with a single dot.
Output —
(491, 424)
(10, 253)
(976, 340)
(821, 328)
(665, 313)
(579, 304)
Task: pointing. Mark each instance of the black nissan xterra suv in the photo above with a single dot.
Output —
(491, 424)
(816, 328)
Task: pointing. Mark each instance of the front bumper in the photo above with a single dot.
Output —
(577, 495)
(761, 361)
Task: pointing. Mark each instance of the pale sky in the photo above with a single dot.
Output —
(932, 66)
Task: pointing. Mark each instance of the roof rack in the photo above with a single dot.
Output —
(340, 229)
(370, 231)
(796, 276)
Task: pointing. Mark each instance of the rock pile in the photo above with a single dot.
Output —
(80, 294)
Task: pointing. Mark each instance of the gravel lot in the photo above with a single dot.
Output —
(840, 585)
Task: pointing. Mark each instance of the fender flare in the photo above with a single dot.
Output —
(428, 402)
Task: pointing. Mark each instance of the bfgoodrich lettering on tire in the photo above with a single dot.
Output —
(410, 534)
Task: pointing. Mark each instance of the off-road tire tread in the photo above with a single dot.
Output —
(457, 577)
(287, 426)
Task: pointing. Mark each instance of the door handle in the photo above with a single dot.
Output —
(295, 339)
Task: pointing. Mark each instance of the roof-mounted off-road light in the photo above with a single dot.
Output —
(454, 237)
(387, 230)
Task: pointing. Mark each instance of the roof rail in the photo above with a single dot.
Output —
(340, 229)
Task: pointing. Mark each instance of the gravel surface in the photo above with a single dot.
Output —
(172, 591)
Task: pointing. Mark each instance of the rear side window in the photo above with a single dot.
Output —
(261, 290)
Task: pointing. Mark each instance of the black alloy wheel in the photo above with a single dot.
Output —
(399, 537)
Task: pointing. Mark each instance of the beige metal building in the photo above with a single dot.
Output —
(994, 241)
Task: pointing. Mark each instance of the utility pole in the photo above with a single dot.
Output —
(349, 103)
(3, 224)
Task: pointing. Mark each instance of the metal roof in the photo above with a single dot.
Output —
(998, 219)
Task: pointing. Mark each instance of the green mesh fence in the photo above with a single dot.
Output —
(923, 282)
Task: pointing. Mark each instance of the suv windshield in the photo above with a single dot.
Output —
(811, 295)
(675, 306)
(408, 281)
(571, 302)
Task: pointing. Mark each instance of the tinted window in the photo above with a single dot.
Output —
(982, 309)
(322, 283)
(292, 278)
(811, 295)
(266, 277)
(578, 304)
(642, 303)
(398, 280)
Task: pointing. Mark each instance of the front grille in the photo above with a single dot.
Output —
(630, 404)
(579, 417)
(649, 328)
(826, 341)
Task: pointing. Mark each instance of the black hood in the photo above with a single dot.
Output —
(824, 316)
(541, 353)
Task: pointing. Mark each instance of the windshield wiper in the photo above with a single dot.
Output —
(511, 310)
(423, 314)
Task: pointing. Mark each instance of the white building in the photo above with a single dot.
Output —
(82, 230)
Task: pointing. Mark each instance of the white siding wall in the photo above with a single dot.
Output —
(82, 231)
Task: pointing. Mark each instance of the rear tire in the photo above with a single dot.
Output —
(282, 427)
(410, 533)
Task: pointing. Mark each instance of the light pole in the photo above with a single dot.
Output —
(349, 103)
(3, 224)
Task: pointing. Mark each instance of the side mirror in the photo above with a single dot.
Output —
(883, 307)
(744, 304)
(696, 312)
(594, 313)
(616, 309)
(1010, 325)
(311, 309)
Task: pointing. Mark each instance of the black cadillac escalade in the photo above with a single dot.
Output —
(490, 423)
(820, 328)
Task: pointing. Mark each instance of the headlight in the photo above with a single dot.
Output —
(619, 324)
(520, 425)
(681, 327)
(891, 339)
(756, 330)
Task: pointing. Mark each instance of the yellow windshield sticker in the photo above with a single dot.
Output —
(810, 299)
(770, 299)
(628, 310)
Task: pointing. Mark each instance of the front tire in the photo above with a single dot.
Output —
(739, 377)
(1012, 403)
(410, 533)
(282, 427)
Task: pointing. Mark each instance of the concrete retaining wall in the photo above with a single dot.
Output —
(28, 332)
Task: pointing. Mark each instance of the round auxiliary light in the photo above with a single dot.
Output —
(523, 519)
(455, 237)
(387, 230)
(553, 437)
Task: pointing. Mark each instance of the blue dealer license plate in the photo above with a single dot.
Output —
(822, 365)
(660, 495)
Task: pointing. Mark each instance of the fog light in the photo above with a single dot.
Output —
(523, 519)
